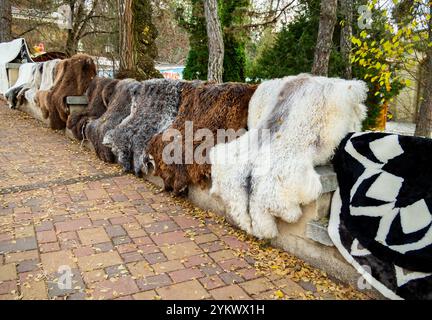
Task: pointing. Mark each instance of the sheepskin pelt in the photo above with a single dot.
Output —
(269, 173)
(118, 109)
(73, 77)
(153, 109)
(210, 107)
(48, 76)
(30, 94)
(25, 77)
(99, 94)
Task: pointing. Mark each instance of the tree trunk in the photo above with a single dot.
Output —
(5, 21)
(127, 61)
(424, 119)
(215, 41)
(346, 35)
(325, 37)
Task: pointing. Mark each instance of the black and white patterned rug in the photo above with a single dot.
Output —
(381, 220)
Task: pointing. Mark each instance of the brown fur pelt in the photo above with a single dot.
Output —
(99, 94)
(73, 77)
(209, 106)
(117, 110)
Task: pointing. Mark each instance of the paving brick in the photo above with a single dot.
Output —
(140, 269)
(99, 261)
(8, 272)
(182, 250)
(53, 260)
(156, 257)
(116, 271)
(132, 257)
(103, 247)
(186, 222)
(49, 247)
(28, 265)
(93, 236)
(190, 290)
(231, 277)
(257, 286)
(289, 287)
(73, 225)
(212, 246)
(185, 274)
(222, 255)
(121, 240)
(21, 256)
(46, 236)
(173, 237)
(161, 227)
(128, 247)
(211, 269)
(109, 289)
(212, 282)
(145, 295)
(167, 266)
(94, 276)
(67, 282)
(83, 251)
(233, 264)
(22, 244)
(24, 232)
(96, 194)
(197, 260)
(115, 231)
(153, 282)
(6, 287)
(234, 243)
(203, 238)
(232, 292)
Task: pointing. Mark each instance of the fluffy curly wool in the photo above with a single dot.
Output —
(99, 94)
(154, 108)
(118, 109)
(73, 77)
(209, 106)
(262, 179)
(48, 75)
(25, 77)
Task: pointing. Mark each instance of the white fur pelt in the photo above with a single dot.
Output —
(153, 109)
(48, 74)
(25, 77)
(9, 52)
(260, 178)
(34, 85)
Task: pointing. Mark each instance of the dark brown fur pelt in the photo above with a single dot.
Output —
(117, 110)
(73, 77)
(99, 94)
(211, 106)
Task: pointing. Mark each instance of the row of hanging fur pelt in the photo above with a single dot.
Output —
(153, 109)
(259, 179)
(209, 106)
(73, 77)
(48, 76)
(117, 110)
(99, 95)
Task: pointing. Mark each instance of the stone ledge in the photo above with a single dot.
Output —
(317, 231)
(13, 65)
(77, 100)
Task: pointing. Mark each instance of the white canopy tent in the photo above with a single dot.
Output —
(13, 51)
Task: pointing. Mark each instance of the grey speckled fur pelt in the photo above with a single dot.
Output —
(154, 108)
(118, 109)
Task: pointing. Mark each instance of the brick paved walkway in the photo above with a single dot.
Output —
(120, 236)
